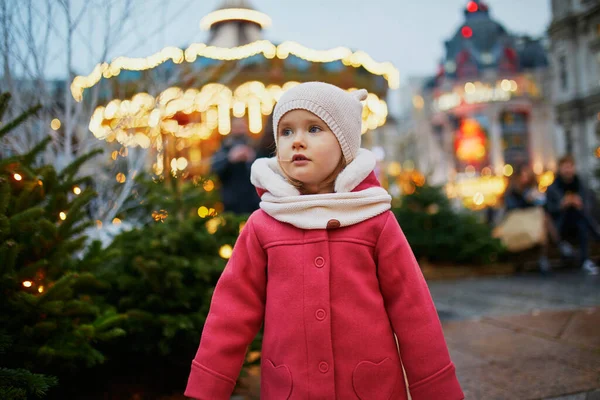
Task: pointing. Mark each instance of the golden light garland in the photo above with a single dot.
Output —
(142, 120)
(266, 48)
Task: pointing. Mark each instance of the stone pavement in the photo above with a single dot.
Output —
(539, 355)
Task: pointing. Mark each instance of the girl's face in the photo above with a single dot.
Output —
(307, 150)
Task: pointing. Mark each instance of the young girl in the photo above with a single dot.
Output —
(326, 267)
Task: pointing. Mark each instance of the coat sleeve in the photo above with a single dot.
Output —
(235, 317)
(429, 370)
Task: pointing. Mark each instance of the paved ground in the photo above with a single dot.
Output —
(520, 337)
(472, 298)
(539, 355)
(524, 337)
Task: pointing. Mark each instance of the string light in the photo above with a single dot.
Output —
(41, 289)
(266, 48)
(62, 215)
(141, 122)
(116, 221)
(27, 284)
(17, 177)
(77, 190)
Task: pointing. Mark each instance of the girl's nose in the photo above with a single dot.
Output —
(299, 141)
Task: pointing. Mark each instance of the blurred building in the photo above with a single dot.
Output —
(486, 110)
(575, 55)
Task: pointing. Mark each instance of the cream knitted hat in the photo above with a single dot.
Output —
(339, 109)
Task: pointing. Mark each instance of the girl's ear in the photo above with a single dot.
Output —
(360, 94)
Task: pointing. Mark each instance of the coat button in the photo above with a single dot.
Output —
(333, 224)
(319, 262)
(323, 367)
(320, 314)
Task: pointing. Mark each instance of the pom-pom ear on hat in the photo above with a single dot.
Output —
(339, 109)
(360, 94)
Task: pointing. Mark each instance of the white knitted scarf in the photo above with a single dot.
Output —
(284, 202)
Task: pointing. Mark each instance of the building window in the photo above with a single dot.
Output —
(563, 72)
(515, 137)
(569, 141)
(560, 8)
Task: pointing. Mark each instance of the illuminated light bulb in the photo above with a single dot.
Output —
(55, 124)
(208, 185)
(77, 190)
(121, 178)
(41, 289)
(17, 177)
(470, 87)
(182, 163)
(27, 284)
(478, 198)
(202, 212)
(225, 251)
(472, 7)
(467, 32)
(116, 221)
(508, 170)
(62, 215)
(418, 102)
(394, 168)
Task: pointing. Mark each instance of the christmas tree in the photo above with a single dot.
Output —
(162, 275)
(438, 233)
(49, 317)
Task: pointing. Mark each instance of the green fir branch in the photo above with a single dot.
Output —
(17, 121)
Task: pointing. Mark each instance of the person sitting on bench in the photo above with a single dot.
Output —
(569, 202)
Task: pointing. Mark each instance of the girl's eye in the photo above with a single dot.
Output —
(286, 132)
(314, 129)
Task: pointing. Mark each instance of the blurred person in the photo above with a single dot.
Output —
(523, 193)
(570, 203)
(232, 163)
(325, 268)
(266, 144)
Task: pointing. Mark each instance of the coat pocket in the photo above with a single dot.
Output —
(375, 381)
(276, 381)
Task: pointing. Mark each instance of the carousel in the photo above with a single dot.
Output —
(180, 102)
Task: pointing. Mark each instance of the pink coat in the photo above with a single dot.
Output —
(331, 301)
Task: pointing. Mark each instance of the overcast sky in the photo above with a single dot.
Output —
(409, 33)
